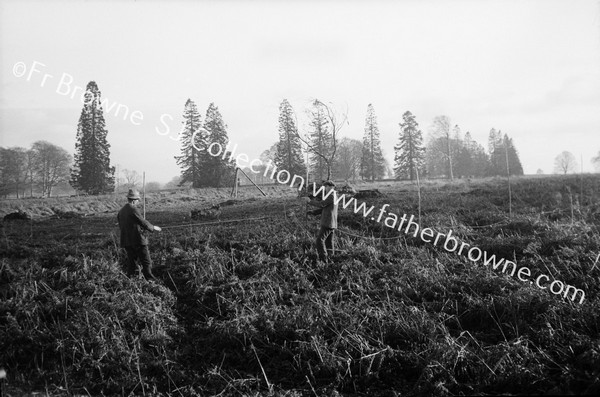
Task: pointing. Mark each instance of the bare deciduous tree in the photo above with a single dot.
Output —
(441, 131)
(13, 170)
(30, 166)
(335, 121)
(132, 178)
(565, 163)
(348, 159)
(51, 165)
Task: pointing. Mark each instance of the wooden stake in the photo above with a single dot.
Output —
(144, 192)
(307, 171)
(508, 177)
(581, 182)
(306, 206)
(235, 178)
(572, 213)
(242, 171)
(419, 193)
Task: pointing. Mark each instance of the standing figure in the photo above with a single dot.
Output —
(329, 211)
(133, 238)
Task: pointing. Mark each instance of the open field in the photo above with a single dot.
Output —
(243, 309)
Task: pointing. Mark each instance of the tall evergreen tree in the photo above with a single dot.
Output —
(321, 143)
(514, 163)
(500, 148)
(289, 149)
(409, 153)
(217, 171)
(91, 171)
(191, 152)
(472, 159)
(372, 162)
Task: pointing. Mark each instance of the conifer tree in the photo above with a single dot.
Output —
(500, 148)
(217, 170)
(321, 143)
(91, 171)
(409, 153)
(289, 149)
(514, 163)
(373, 163)
(191, 152)
(471, 159)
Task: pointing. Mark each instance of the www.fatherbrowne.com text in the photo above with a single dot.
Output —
(450, 243)
(404, 224)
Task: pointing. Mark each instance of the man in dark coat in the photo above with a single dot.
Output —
(329, 212)
(133, 238)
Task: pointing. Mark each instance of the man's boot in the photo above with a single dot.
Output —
(148, 274)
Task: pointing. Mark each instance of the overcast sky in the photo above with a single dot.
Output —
(528, 68)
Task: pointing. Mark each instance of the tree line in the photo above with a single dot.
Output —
(566, 163)
(41, 168)
(198, 166)
(45, 165)
(447, 153)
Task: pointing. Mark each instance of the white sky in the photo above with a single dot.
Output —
(528, 68)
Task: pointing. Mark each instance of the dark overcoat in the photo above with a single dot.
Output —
(132, 226)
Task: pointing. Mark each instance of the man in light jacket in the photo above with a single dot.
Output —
(133, 238)
(329, 212)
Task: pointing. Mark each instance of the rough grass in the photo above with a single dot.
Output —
(242, 308)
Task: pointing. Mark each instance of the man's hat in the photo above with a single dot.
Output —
(133, 194)
(328, 183)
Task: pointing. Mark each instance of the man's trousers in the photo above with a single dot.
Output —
(139, 254)
(325, 243)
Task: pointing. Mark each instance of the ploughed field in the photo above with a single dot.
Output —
(243, 309)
